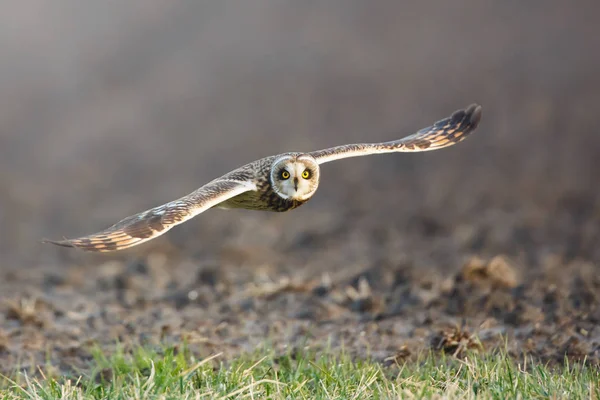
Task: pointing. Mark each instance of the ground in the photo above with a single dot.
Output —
(489, 243)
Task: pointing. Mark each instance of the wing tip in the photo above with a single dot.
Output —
(86, 244)
(63, 243)
(468, 118)
(473, 114)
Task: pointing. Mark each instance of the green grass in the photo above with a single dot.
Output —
(148, 375)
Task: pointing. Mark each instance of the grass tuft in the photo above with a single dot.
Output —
(172, 374)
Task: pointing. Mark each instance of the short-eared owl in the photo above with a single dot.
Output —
(276, 183)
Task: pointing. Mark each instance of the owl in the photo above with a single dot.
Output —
(275, 183)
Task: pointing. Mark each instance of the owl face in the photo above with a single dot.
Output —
(295, 177)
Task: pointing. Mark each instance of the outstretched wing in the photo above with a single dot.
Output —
(444, 133)
(154, 222)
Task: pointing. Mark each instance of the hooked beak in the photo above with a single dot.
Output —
(296, 184)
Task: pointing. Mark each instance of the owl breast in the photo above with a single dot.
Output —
(264, 199)
(279, 204)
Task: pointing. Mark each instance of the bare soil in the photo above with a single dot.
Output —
(107, 113)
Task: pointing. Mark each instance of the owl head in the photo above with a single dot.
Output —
(295, 176)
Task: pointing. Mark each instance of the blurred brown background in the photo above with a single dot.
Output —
(110, 107)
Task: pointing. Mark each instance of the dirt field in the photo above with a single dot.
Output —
(110, 108)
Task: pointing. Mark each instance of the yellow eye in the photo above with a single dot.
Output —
(285, 174)
(306, 174)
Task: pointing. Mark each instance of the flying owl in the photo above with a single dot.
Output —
(276, 183)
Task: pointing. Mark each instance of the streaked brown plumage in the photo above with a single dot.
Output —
(276, 183)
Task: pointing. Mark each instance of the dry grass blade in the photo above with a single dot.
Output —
(249, 370)
(198, 365)
(251, 386)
